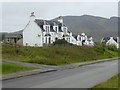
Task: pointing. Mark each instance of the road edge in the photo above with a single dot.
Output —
(40, 71)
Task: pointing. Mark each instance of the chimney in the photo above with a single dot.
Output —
(32, 16)
(60, 19)
(83, 34)
(111, 37)
(44, 22)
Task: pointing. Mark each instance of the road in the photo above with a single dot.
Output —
(81, 77)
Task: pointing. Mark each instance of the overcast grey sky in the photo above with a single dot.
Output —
(16, 15)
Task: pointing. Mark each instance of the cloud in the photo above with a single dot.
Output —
(16, 15)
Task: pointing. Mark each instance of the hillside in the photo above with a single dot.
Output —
(58, 54)
(98, 27)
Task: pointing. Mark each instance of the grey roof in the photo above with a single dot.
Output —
(115, 39)
(89, 36)
(40, 23)
(49, 22)
(66, 35)
(105, 39)
(10, 35)
(75, 36)
(18, 32)
(58, 23)
(41, 26)
(14, 34)
(68, 31)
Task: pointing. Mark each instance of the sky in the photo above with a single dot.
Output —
(15, 15)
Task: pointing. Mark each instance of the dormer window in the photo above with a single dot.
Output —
(55, 28)
(39, 35)
(64, 29)
(47, 28)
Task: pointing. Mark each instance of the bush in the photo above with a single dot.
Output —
(60, 42)
(112, 48)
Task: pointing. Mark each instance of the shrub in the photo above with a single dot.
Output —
(112, 47)
(60, 42)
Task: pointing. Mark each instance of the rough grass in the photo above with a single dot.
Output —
(12, 68)
(111, 83)
(0, 68)
(57, 55)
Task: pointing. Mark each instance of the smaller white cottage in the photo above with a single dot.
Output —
(83, 39)
(111, 41)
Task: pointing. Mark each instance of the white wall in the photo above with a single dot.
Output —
(30, 35)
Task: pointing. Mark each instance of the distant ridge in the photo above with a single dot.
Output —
(96, 26)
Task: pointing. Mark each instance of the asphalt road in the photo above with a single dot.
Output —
(82, 77)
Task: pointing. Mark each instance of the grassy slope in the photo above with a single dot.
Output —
(0, 68)
(57, 55)
(11, 68)
(112, 83)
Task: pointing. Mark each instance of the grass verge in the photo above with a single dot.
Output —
(111, 83)
(57, 55)
(12, 68)
(0, 68)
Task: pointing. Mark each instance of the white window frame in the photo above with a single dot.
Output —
(65, 31)
(55, 28)
(47, 28)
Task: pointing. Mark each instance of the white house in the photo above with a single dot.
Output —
(111, 41)
(40, 32)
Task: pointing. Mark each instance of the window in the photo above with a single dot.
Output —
(56, 29)
(68, 39)
(47, 28)
(49, 39)
(80, 38)
(43, 40)
(8, 40)
(46, 40)
(18, 39)
(38, 35)
(56, 38)
(35, 45)
(64, 29)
